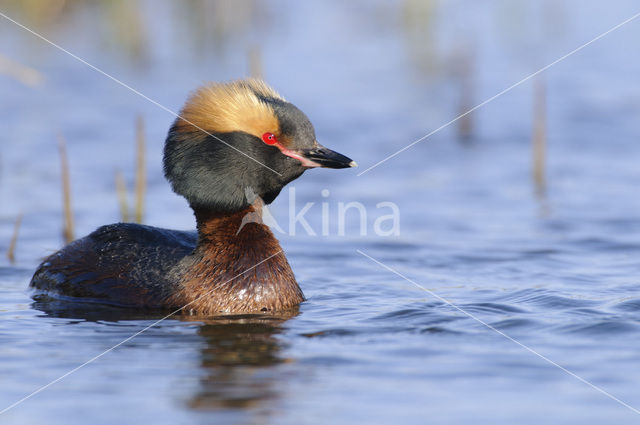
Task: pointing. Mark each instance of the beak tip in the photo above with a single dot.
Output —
(353, 164)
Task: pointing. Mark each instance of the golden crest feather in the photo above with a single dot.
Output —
(228, 107)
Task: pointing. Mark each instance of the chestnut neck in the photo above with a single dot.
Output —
(212, 224)
(242, 230)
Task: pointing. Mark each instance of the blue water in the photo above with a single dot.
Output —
(556, 272)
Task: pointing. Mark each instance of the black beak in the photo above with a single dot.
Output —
(327, 158)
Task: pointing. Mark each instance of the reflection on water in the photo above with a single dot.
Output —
(237, 360)
(90, 312)
(237, 355)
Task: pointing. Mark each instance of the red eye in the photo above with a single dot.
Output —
(269, 138)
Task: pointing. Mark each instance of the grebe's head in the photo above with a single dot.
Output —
(237, 138)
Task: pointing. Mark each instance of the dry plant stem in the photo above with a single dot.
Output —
(20, 72)
(539, 137)
(11, 253)
(121, 190)
(464, 73)
(141, 172)
(67, 230)
(255, 62)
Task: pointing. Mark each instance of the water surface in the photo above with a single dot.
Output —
(558, 271)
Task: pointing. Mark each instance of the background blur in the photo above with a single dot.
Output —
(525, 212)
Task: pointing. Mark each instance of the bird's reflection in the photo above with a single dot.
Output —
(237, 358)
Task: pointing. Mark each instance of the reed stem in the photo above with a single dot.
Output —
(141, 172)
(255, 62)
(121, 190)
(67, 231)
(11, 253)
(464, 71)
(539, 137)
